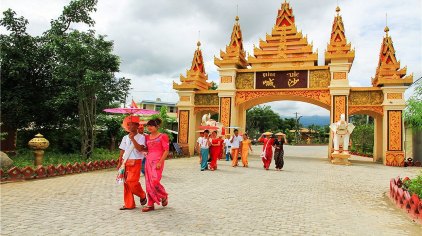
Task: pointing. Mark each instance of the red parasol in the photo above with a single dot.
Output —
(125, 110)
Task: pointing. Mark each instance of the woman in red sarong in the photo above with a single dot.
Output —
(215, 150)
(268, 142)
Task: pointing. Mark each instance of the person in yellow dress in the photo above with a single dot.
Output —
(244, 147)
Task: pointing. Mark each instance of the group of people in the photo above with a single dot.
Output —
(151, 149)
(211, 148)
(149, 152)
(277, 141)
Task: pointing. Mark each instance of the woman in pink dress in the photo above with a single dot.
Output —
(158, 149)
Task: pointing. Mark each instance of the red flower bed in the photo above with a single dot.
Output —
(402, 198)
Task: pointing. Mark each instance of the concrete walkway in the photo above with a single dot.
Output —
(309, 197)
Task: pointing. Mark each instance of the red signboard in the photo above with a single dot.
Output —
(281, 79)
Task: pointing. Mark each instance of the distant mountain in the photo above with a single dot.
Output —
(316, 120)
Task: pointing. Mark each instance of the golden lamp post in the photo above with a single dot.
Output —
(38, 144)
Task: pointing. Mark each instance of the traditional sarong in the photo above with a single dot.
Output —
(155, 190)
(204, 158)
(131, 184)
(279, 158)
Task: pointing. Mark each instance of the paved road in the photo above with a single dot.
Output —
(310, 197)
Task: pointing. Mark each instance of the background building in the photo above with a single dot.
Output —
(157, 104)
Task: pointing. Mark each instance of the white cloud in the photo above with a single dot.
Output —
(156, 38)
(288, 108)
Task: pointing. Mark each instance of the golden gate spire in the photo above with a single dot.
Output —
(285, 15)
(196, 78)
(338, 48)
(388, 70)
(234, 54)
(198, 61)
(285, 44)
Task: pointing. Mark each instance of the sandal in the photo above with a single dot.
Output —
(165, 201)
(143, 201)
(148, 208)
(124, 208)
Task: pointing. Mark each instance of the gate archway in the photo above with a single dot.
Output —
(285, 67)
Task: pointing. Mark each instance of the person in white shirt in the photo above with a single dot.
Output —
(141, 132)
(204, 144)
(227, 146)
(134, 144)
(198, 146)
(235, 141)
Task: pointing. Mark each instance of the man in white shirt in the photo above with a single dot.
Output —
(198, 146)
(227, 146)
(135, 144)
(235, 141)
(204, 144)
(141, 132)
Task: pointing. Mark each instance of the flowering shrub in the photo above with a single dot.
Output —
(414, 185)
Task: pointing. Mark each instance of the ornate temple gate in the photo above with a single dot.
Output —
(284, 67)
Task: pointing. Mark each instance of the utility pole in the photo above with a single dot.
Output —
(297, 127)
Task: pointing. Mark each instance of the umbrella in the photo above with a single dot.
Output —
(126, 110)
(200, 131)
(208, 127)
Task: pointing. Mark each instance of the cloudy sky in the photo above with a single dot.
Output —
(155, 39)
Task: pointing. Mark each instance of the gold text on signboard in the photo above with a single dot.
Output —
(269, 83)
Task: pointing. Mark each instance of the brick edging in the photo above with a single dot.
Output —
(412, 205)
(28, 173)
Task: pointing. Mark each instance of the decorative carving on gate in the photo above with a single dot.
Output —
(356, 109)
(370, 97)
(319, 95)
(319, 79)
(394, 130)
(339, 75)
(183, 126)
(213, 109)
(225, 111)
(394, 96)
(206, 99)
(339, 107)
(226, 79)
(245, 81)
(394, 158)
(184, 98)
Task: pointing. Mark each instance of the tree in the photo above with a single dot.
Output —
(112, 124)
(25, 75)
(85, 63)
(260, 119)
(213, 86)
(363, 135)
(166, 121)
(363, 138)
(413, 111)
(67, 74)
